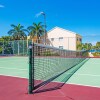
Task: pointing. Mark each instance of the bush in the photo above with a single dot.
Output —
(0, 50)
(96, 54)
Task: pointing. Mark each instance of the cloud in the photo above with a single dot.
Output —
(91, 35)
(1, 6)
(94, 35)
(41, 13)
(37, 15)
(93, 42)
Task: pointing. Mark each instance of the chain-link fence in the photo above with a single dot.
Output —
(20, 47)
(68, 43)
(92, 42)
(17, 47)
(88, 42)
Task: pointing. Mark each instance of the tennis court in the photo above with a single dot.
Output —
(84, 83)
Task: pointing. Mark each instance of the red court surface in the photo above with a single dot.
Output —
(12, 88)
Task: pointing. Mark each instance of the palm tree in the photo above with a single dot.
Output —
(18, 32)
(88, 46)
(85, 46)
(98, 45)
(6, 38)
(80, 46)
(36, 30)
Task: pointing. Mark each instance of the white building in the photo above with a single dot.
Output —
(64, 39)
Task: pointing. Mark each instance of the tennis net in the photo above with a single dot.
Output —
(47, 63)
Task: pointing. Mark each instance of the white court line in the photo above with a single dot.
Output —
(93, 63)
(59, 82)
(27, 62)
(12, 68)
(13, 76)
(66, 74)
(12, 60)
(88, 75)
(83, 85)
(83, 74)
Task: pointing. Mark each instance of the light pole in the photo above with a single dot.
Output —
(42, 13)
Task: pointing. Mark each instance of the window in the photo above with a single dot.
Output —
(60, 47)
(80, 40)
(52, 39)
(60, 38)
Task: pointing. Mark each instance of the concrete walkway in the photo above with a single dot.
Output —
(90, 54)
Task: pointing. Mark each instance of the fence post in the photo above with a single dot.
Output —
(18, 47)
(3, 48)
(13, 46)
(23, 46)
(30, 71)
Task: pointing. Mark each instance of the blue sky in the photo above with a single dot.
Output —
(80, 16)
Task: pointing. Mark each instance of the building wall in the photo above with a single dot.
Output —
(68, 40)
(78, 39)
(59, 37)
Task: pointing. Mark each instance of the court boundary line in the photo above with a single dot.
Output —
(12, 68)
(66, 74)
(54, 81)
(94, 63)
(83, 85)
(88, 75)
(84, 74)
(13, 76)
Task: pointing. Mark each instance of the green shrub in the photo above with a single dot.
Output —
(96, 54)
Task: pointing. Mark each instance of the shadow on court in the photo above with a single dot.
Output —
(58, 81)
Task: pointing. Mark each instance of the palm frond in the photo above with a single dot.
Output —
(21, 27)
(11, 32)
(39, 24)
(30, 28)
(25, 30)
(13, 26)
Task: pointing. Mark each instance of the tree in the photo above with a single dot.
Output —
(36, 30)
(80, 46)
(17, 32)
(1, 43)
(6, 38)
(5, 45)
(87, 46)
(98, 45)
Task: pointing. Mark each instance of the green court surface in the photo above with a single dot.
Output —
(88, 74)
(14, 66)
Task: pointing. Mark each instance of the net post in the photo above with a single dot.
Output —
(30, 87)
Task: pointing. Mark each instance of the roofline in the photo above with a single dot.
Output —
(63, 29)
(79, 35)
